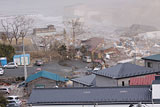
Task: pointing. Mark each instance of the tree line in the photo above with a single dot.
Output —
(7, 51)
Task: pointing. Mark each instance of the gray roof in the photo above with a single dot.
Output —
(99, 95)
(125, 70)
(152, 57)
(88, 80)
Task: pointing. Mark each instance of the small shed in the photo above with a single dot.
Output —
(25, 57)
(44, 79)
(19, 59)
(3, 61)
(85, 81)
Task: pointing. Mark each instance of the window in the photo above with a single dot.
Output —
(10, 98)
(17, 98)
(129, 82)
(122, 83)
(149, 64)
(3, 89)
(39, 86)
(11, 63)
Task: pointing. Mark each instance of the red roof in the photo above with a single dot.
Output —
(145, 80)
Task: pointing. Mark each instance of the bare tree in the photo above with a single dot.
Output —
(75, 26)
(55, 45)
(26, 25)
(46, 42)
(7, 30)
(3, 37)
(18, 27)
(15, 25)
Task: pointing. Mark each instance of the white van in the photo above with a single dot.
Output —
(14, 98)
(4, 90)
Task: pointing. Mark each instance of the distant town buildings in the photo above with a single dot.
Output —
(50, 30)
(92, 45)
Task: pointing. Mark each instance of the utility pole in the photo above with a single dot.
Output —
(135, 53)
(25, 68)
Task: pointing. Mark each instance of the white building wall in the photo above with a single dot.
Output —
(26, 60)
(17, 61)
(156, 65)
(105, 82)
(125, 80)
(155, 91)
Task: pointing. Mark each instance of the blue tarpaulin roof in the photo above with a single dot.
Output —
(46, 74)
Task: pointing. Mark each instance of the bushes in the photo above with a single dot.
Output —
(7, 51)
(3, 101)
(20, 79)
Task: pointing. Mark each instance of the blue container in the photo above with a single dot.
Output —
(27, 59)
(19, 59)
(3, 61)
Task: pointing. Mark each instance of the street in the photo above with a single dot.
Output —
(53, 67)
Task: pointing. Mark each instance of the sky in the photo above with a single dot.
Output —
(112, 12)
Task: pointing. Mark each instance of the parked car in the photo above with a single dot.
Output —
(10, 65)
(14, 99)
(87, 59)
(1, 71)
(13, 104)
(5, 90)
(39, 62)
(96, 69)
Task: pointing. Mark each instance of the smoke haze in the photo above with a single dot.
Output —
(112, 12)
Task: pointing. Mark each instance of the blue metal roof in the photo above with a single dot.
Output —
(152, 57)
(125, 70)
(96, 95)
(46, 74)
(25, 55)
(18, 56)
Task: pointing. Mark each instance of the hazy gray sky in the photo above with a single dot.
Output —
(116, 12)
